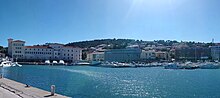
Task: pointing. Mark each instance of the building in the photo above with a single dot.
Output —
(215, 52)
(161, 55)
(38, 53)
(122, 55)
(54, 51)
(95, 56)
(2, 55)
(148, 55)
(16, 49)
(192, 53)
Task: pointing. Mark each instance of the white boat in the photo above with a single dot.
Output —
(54, 62)
(47, 62)
(82, 63)
(16, 64)
(62, 62)
(209, 65)
(172, 66)
(6, 64)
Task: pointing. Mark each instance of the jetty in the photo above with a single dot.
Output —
(13, 89)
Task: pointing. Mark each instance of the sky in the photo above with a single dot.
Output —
(64, 21)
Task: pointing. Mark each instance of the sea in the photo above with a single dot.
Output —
(101, 82)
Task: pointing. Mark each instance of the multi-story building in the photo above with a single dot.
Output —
(192, 53)
(54, 51)
(162, 55)
(39, 53)
(215, 52)
(148, 55)
(16, 48)
(122, 55)
(95, 56)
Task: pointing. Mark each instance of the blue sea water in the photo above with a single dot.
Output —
(98, 82)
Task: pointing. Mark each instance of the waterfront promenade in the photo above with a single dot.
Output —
(13, 89)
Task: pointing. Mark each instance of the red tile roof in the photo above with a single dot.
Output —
(42, 47)
(18, 41)
(71, 47)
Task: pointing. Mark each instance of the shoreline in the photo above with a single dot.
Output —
(21, 91)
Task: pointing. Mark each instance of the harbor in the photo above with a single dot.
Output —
(14, 89)
(101, 82)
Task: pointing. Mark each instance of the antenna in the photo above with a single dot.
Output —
(212, 40)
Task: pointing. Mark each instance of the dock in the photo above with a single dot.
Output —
(13, 89)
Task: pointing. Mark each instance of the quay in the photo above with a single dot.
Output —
(13, 89)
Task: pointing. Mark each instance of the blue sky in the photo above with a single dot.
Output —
(63, 21)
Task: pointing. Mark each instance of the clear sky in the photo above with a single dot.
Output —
(41, 21)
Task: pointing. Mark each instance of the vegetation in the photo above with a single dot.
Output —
(123, 43)
(3, 50)
(111, 43)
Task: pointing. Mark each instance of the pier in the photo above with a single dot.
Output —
(13, 89)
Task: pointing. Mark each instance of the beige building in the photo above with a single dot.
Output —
(95, 56)
(162, 55)
(148, 55)
(53, 51)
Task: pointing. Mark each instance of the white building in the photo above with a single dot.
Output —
(148, 55)
(38, 53)
(18, 50)
(95, 56)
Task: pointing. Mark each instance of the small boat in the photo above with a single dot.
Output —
(6, 64)
(82, 63)
(61, 62)
(47, 62)
(54, 62)
(209, 65)
(16, 64)
(172, 66)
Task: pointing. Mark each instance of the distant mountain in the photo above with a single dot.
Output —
(112, 43)
(123, 43)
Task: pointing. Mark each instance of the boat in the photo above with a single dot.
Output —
(6, 64)
(209, 65)
(54, 62)
(172, 66)
(16, 64)
(47, 62)
(82, 63)
(61, 62)
(190, 65)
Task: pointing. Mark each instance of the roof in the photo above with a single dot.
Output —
(18, 41)
(71, 47)
(42, 47)
(54, 44)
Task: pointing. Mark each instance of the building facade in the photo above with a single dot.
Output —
(17, 50)
(148, 55)
(161, 55)
(215, 52)
(122, 55)
(95, 56)
(192, 53)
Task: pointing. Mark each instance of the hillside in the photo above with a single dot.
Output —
(112, 43)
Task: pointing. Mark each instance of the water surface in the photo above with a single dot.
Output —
(97, 82)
